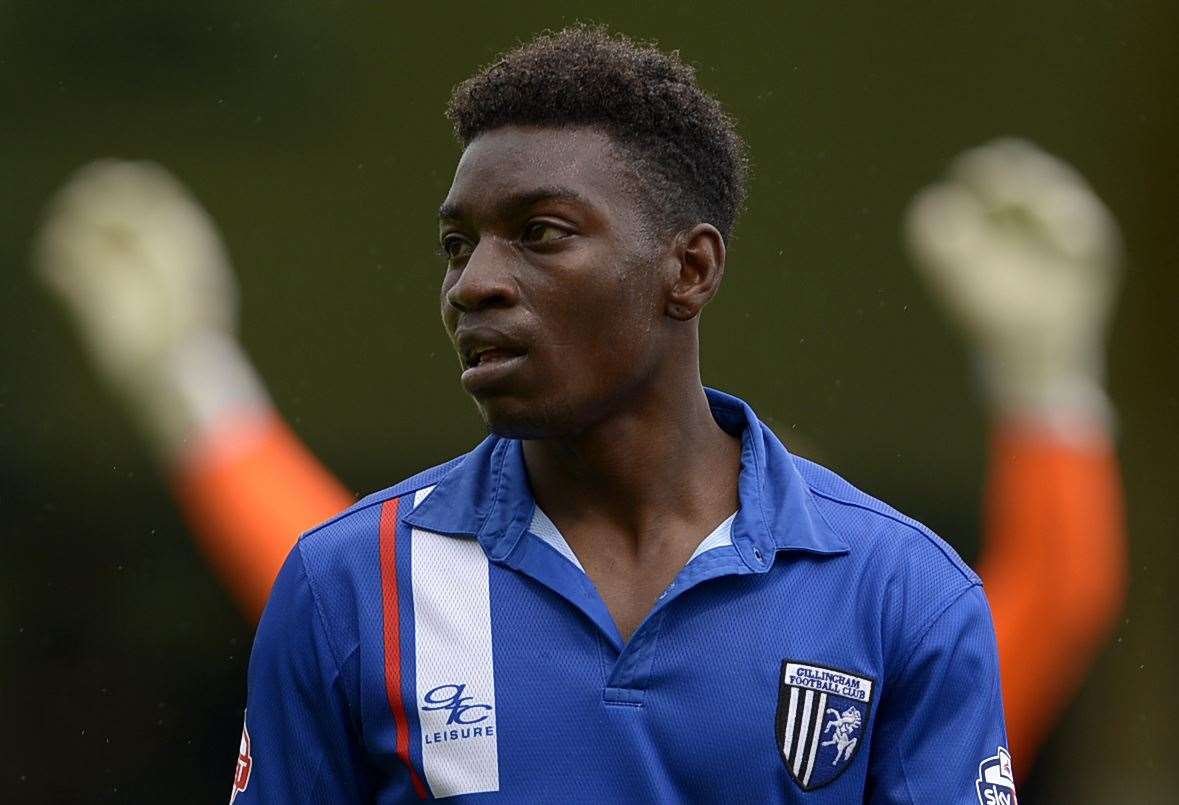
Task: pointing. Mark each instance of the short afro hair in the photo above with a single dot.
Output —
(681, 143)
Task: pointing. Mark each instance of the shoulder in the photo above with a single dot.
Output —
(359, 519)
(870, 525)
(341, 556)
(401, 489)
(902, 567)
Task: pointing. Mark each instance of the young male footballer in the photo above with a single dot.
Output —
(126, 248)
(630, 591)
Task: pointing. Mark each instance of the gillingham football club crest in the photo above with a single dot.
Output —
(821, 720)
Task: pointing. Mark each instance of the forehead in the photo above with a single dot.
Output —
(516, 160)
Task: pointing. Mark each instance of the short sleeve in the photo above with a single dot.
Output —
(298, 743)
(940, 735)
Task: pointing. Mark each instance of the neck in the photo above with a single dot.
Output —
(660, 461)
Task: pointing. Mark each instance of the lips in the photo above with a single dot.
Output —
(489, 356)
(485, 355)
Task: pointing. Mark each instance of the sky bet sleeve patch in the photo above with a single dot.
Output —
(822, 713)
(996, 782)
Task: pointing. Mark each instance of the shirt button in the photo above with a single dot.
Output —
(757, 555)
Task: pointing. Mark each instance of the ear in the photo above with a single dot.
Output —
(700, 253)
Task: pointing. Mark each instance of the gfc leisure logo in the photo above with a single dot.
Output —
(822, 713)
(466, 718)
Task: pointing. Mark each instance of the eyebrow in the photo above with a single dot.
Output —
(516, 202)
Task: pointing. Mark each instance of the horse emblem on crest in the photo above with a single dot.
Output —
(821, 718)
(845, 724)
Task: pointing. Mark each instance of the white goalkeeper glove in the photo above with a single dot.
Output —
(1026, 258)
(140, 266)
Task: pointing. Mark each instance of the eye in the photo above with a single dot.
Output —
(543, 232)
(456, 247)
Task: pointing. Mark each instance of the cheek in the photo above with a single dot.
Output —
(609, 327)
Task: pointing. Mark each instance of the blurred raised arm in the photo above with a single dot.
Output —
(142, 271)
(1025, 259)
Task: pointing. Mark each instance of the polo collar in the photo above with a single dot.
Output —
(487, 495)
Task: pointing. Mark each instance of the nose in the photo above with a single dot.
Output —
(485, 281)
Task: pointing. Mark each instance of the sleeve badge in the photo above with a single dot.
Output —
(996, 781)
(245, 761)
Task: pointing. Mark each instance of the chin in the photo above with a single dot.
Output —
(518, 419)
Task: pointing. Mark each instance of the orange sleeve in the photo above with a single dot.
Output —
(248, 491)
(1054, 564)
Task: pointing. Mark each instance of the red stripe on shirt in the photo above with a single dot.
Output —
(393, 638)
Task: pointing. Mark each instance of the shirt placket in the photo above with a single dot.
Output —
(632, 660)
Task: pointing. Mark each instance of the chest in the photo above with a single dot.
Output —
(694, 706)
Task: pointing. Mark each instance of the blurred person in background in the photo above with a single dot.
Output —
(1019, 250)
(1026, 258)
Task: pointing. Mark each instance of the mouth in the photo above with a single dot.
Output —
(488, 357)
(490, 371)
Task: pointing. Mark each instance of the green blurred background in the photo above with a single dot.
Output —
(313, 133)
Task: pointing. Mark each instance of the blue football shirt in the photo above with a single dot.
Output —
(440, 640)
